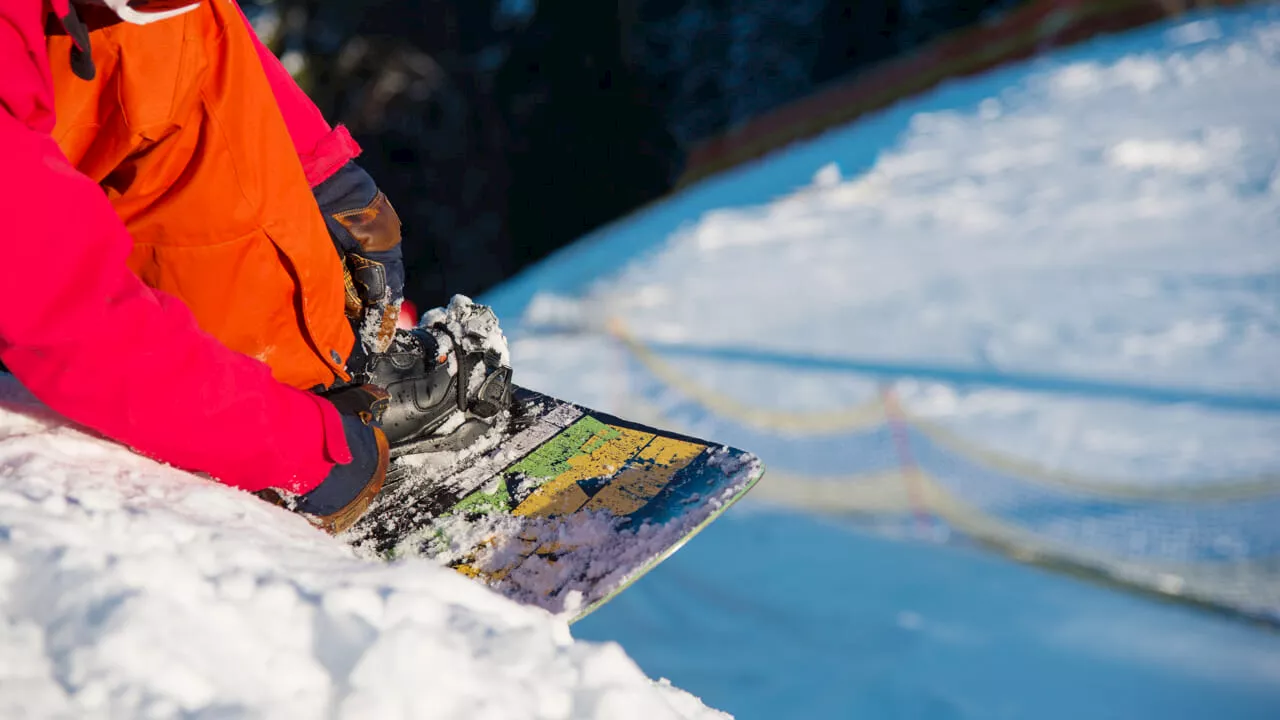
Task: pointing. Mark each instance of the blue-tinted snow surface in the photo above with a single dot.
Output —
(775, 614)
(779, 615)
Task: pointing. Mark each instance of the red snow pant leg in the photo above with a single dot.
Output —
(182, 131)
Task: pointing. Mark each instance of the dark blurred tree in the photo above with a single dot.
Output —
(924, 20)
(856, 33)
(713, 64)
(587, 143)
(400, 75)
(503, 129)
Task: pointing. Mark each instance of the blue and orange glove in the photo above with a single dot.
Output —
(366, 231)
(349, 489)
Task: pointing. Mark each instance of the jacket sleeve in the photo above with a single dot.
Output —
(322, 149)
(83, 334)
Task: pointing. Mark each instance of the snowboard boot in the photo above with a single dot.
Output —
(448, 379)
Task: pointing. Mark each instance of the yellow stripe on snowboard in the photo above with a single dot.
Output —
(604, 454)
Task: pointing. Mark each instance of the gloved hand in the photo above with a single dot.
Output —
(366, 231)
(345, 494)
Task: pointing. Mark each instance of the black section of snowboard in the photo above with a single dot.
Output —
(411, 499)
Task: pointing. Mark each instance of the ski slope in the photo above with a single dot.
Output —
(1040, 307)
(129, 589)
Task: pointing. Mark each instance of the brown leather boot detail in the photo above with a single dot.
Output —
(339, 521)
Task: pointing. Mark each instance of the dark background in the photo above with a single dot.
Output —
(504, 129)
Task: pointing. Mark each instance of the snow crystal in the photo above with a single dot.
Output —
(474, 327)
(370, 331)
(828, 176)
(1192, 33)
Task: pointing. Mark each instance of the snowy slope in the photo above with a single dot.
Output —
(1064, 277)
(777, 614)
(1105, 219)
(1070, 269)
(129, 589)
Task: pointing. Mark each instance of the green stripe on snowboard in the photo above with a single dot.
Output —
(552, 459)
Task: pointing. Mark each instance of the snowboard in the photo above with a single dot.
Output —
(555, 505)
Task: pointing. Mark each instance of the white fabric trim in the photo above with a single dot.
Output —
(129, 15)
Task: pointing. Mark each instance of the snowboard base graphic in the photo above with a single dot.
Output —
(557, 505)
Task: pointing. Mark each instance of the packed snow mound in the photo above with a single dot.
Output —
(131, 589)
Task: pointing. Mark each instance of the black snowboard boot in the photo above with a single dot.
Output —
(449, 379)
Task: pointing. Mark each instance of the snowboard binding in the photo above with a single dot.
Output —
(449, 379)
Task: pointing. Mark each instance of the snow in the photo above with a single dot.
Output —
(1057, 235)
(370, 331)
(1103, 218)
(474, 326)
(1111, 220)
(130, 589)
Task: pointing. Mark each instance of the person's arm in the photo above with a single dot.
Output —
(88, 338)
(361, 220)
(321, 148)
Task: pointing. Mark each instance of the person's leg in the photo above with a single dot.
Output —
(180, 128)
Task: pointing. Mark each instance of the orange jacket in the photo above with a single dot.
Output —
(207, 150)
(82, 332)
